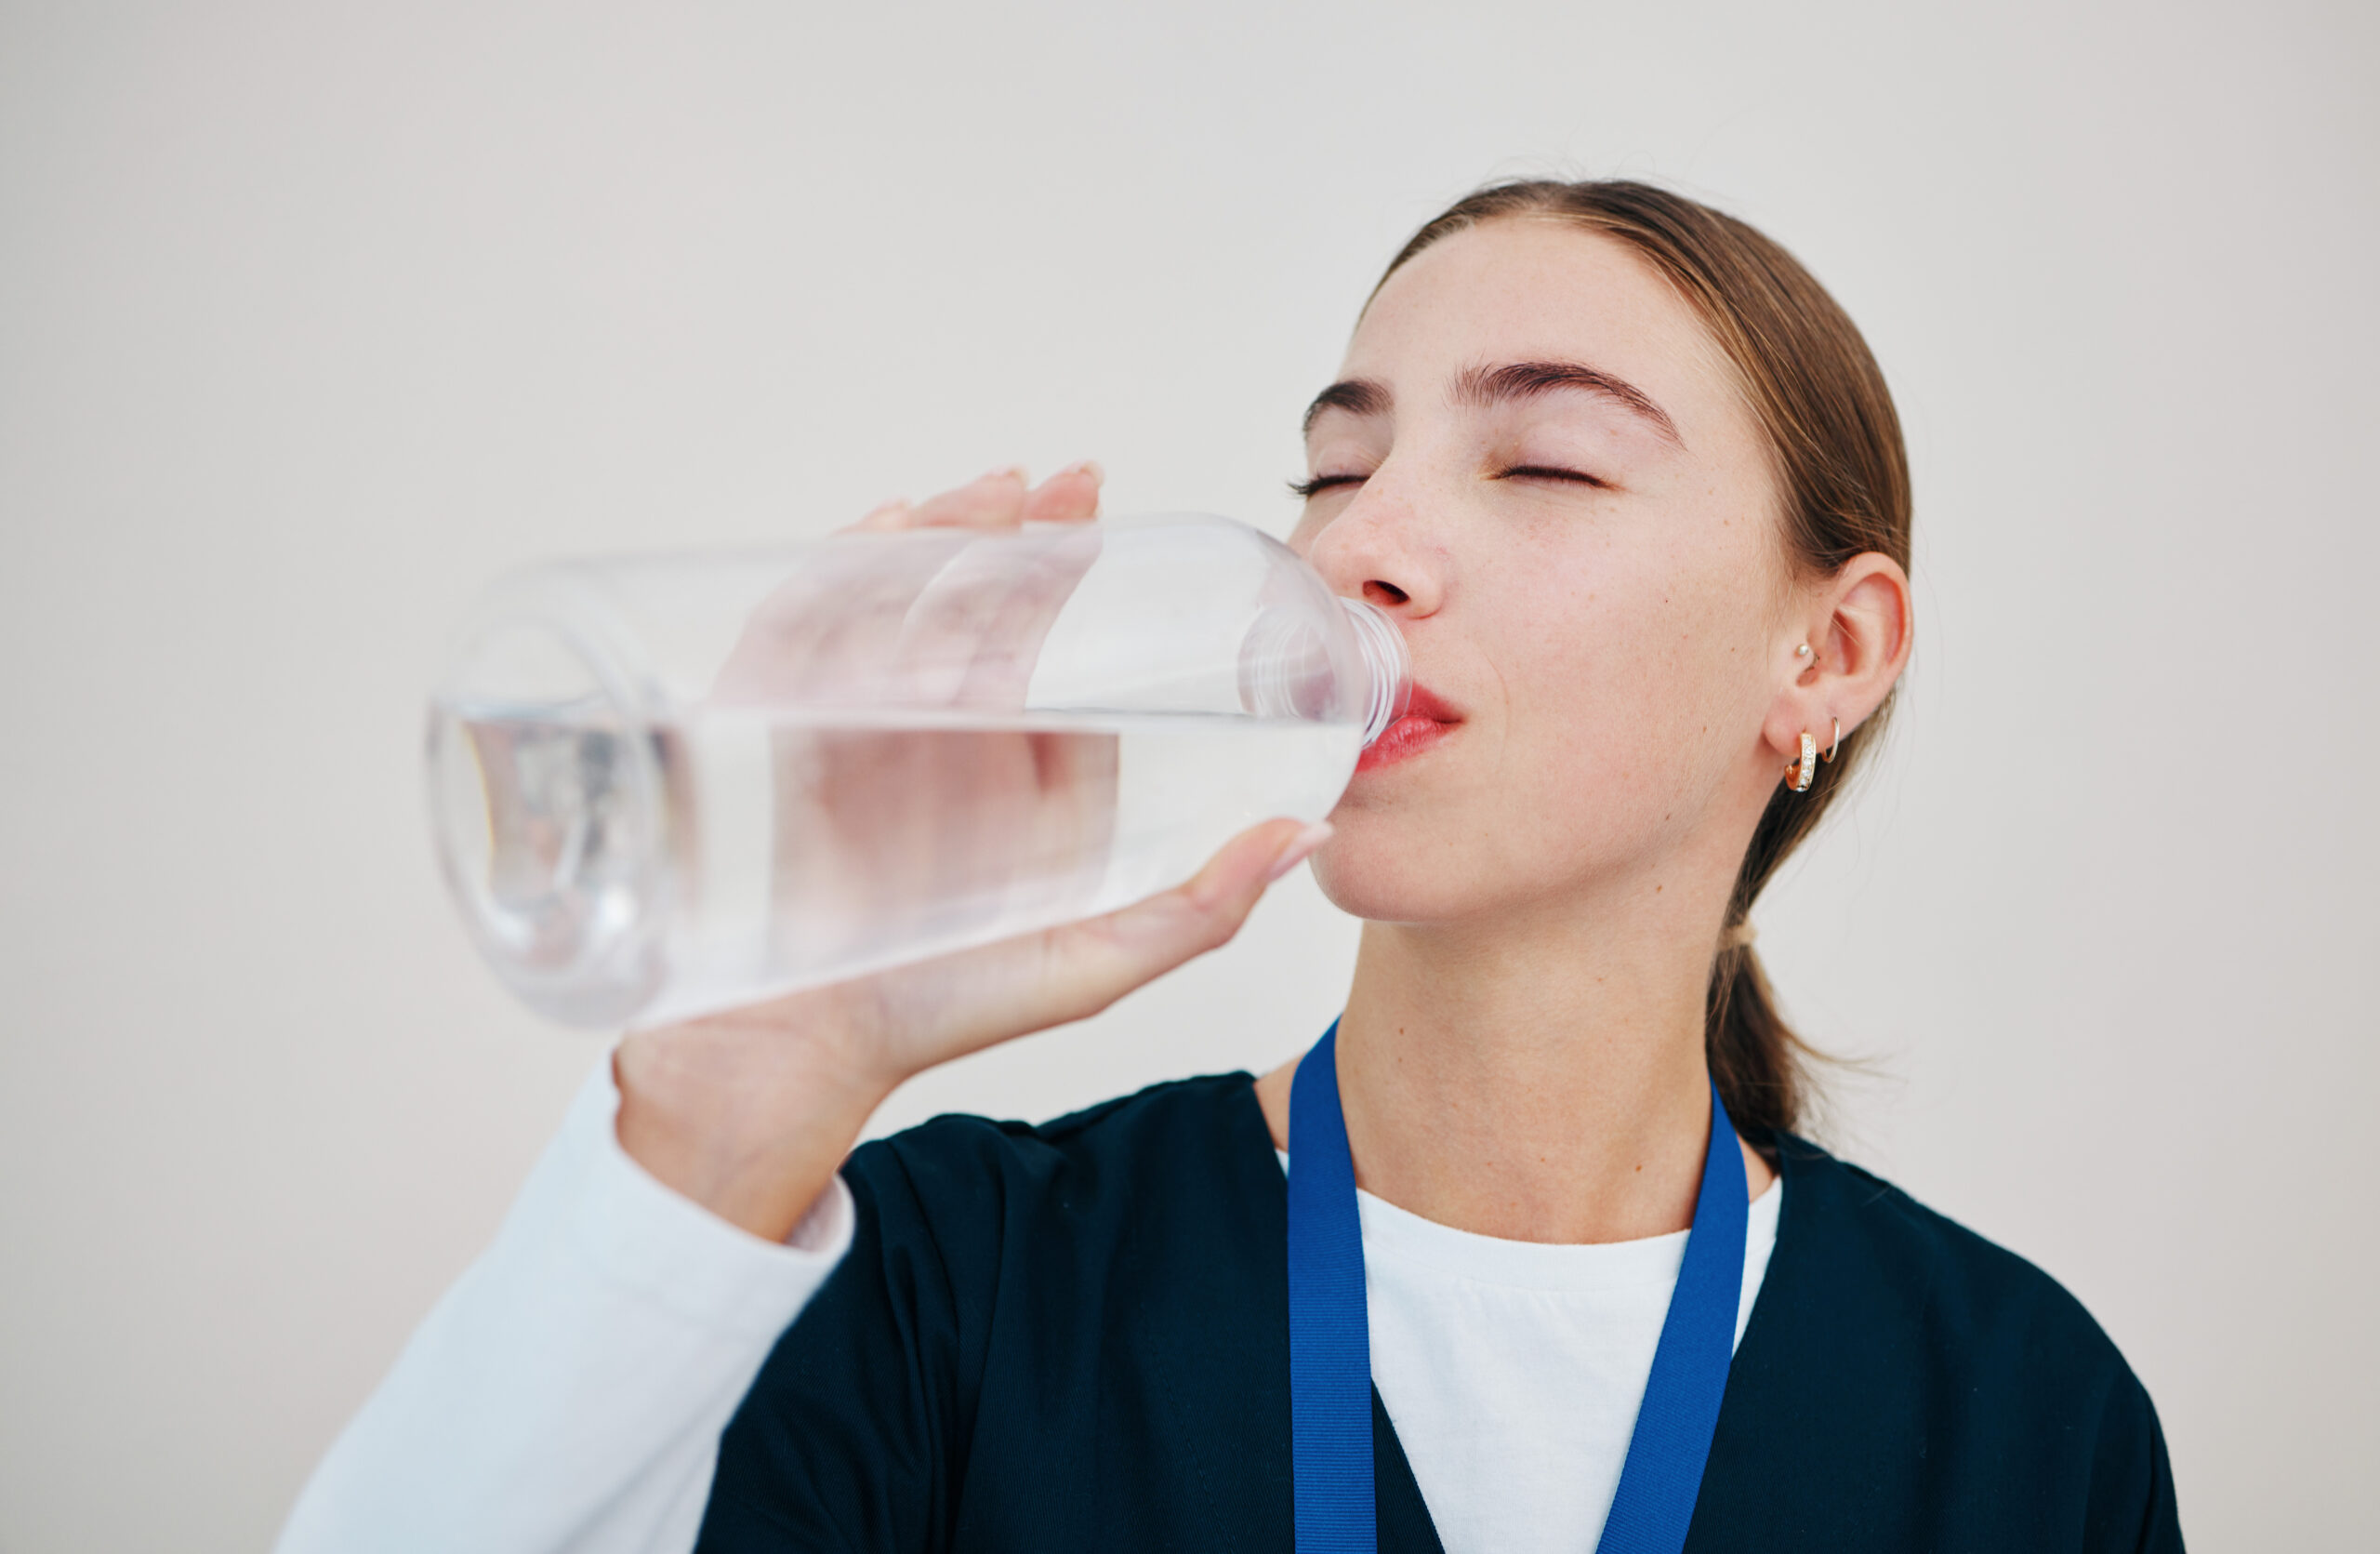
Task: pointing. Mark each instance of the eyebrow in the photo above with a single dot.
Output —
(1514, 380)
(1485, 386)
(1358, 396)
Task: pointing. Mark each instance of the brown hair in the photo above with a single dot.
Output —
(1843, 488)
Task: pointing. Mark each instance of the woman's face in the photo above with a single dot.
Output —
(1538, 460)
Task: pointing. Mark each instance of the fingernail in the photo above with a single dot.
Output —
(1301, 848)
(1089, 467)
(1010, 471)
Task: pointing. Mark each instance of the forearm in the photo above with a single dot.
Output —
(568, 1392)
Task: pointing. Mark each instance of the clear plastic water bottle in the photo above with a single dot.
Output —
(666, 785)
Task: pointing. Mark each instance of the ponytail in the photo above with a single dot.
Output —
(1755, 1057)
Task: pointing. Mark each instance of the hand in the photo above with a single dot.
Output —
(749, 1112)
(927, 836)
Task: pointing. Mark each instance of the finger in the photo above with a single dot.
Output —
(827, 628)
(909, 1018)
(991, 501)
(886, 516)
(986, 618)
(1069, 497)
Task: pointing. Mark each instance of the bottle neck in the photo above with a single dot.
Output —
(1387, 664)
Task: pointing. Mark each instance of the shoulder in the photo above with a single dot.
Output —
(1938, 1374)
(958, 1171)
(1029, 1304)
(1864, 1240)
(1907, 1384)
(1114, 1131)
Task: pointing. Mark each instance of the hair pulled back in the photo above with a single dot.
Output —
(1842, 477)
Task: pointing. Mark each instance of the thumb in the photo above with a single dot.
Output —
(1092, 964)
(960, 1002)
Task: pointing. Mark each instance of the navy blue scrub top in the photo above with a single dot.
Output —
(1075, 1337)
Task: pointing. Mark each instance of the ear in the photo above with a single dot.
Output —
(1857, 625)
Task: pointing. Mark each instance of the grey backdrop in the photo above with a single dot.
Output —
(314, 315)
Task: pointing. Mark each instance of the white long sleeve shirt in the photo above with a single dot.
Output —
(568, 1391)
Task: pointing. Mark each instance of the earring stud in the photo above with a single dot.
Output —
(1802, 651)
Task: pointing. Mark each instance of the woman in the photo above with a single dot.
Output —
(1634, 489)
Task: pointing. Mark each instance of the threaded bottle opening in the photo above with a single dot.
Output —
(1389, 666)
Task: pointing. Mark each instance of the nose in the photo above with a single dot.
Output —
(1373, 549)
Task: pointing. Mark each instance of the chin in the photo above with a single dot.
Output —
(1383, 869)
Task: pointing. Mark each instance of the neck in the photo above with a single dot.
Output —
(1535, 1080)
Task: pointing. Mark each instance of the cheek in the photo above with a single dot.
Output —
(1611, 647)
(1630, 699)
(1615, 697)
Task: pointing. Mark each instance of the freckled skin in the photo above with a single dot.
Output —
(1613, 650)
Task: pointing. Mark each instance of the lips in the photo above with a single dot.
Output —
(1428, 720)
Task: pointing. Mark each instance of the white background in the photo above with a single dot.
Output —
(314, 315)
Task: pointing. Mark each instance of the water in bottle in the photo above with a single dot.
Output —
(667, 786)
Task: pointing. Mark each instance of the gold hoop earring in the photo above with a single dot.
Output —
(1798, 773)
(1838, 742)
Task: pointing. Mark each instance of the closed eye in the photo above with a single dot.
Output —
(1305, 490)
(1546, 471)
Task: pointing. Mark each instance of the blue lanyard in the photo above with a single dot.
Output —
(1330, 1359)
